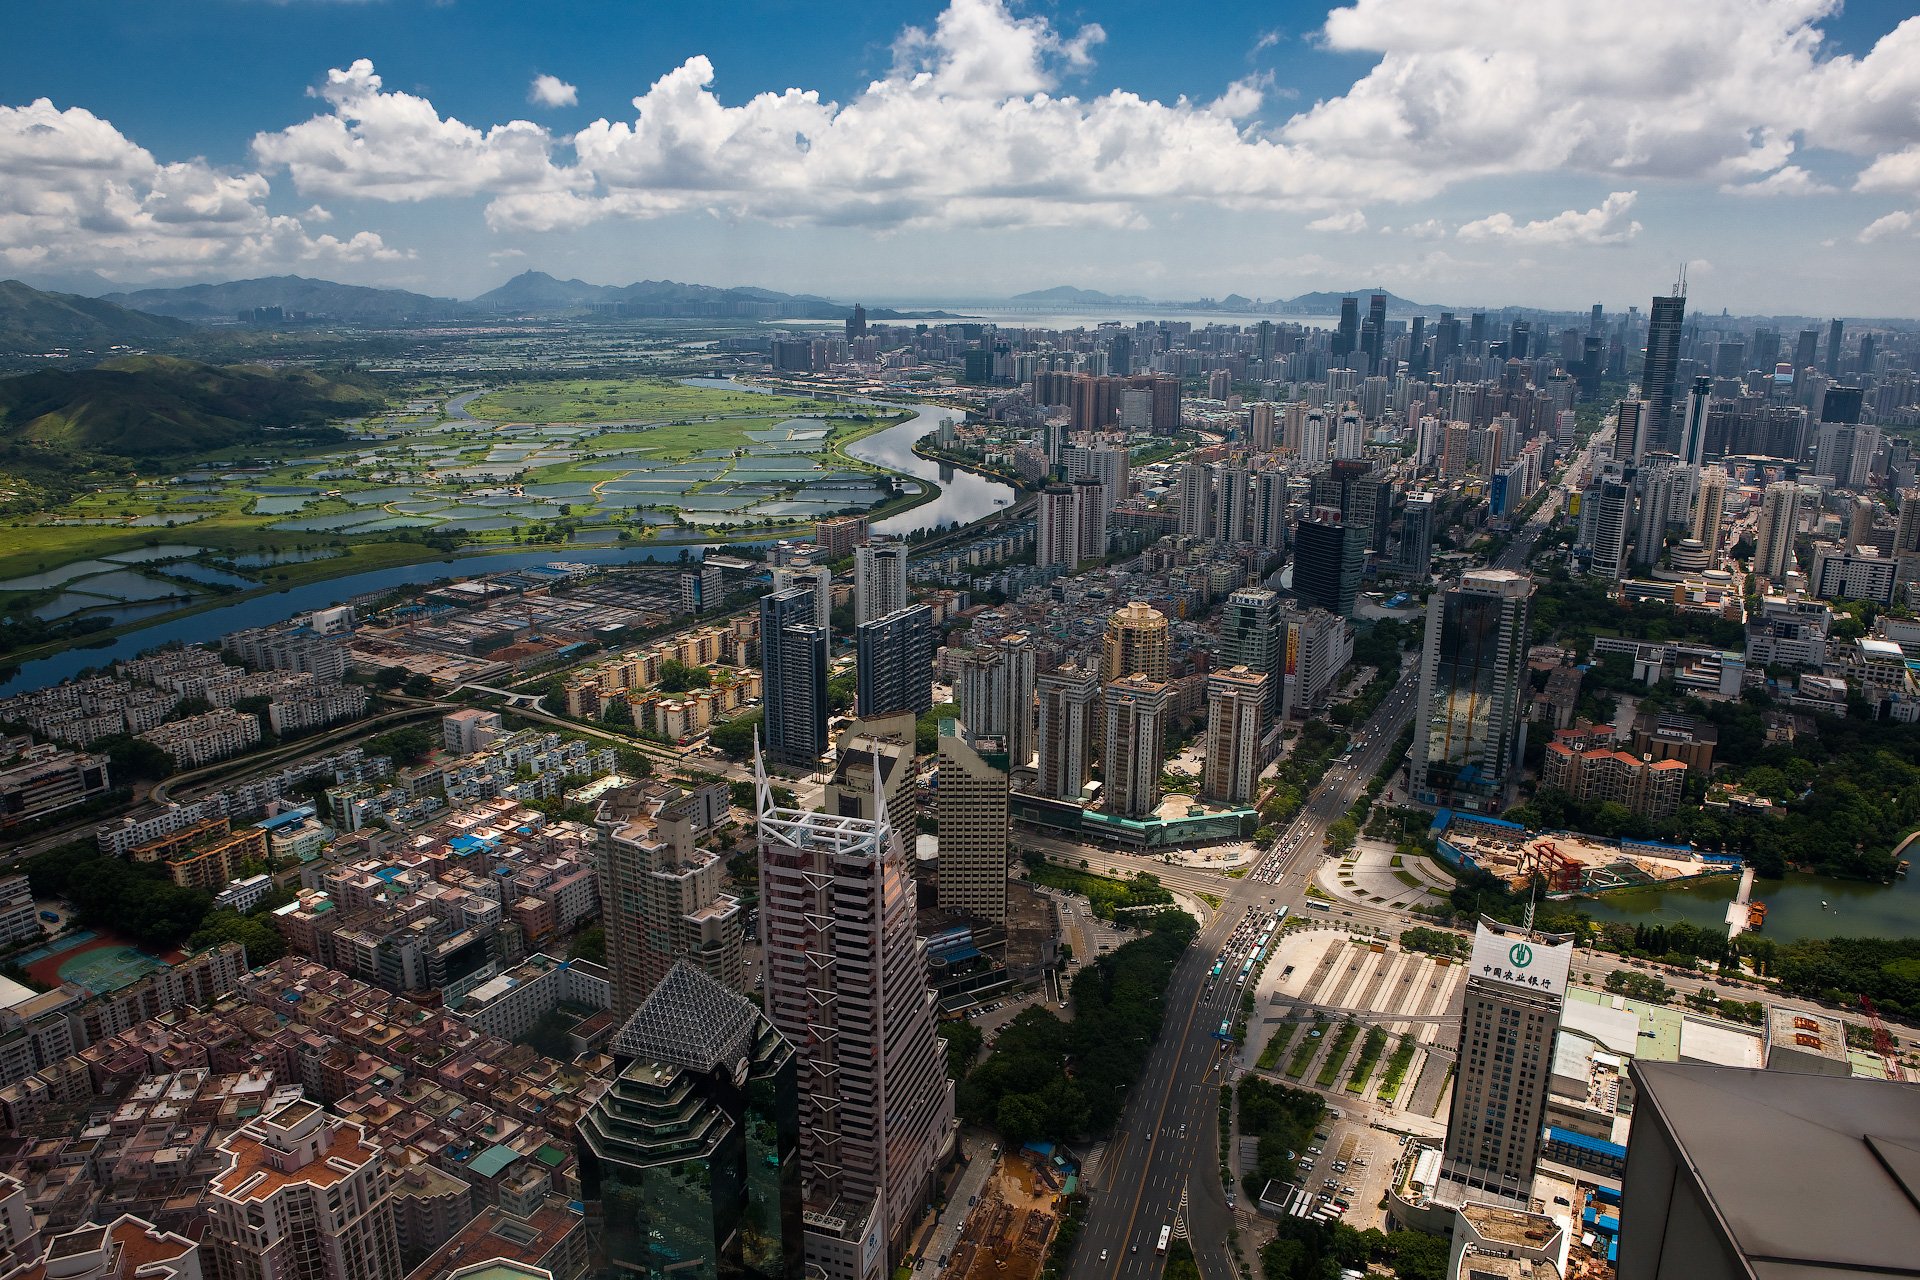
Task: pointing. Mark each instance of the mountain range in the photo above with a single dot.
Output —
(1319, 303)
(291, 293)
(32, 320)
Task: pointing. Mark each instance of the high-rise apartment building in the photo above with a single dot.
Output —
(994, 687)
(1137, 641)
(1109, 464)
(1469, 733)
(1516, 983)
(1663, 365)
(664, 898)
(1778, 526)
(846, 984)
(1693, 422)
(793, 677)
(893, 662)
(1709, 505)
(1090, 519)
(693, 1152)
(1316, 650)
(879, 580)
(1236, 726)
(1057, 527)
(301, 1195)
(1136, 709)
(817, 578)
(1069, 698)
(1196, 500)
(1329, 557)
(1251, 637)
(971, 802)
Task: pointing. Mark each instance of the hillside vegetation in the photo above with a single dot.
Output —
(35, 321)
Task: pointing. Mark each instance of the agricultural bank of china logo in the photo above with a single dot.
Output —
(1521, 955)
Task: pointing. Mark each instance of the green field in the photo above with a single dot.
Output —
(617, 399)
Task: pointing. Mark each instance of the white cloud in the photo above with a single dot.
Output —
(75, 190)
(1892, 224)
(552, 91)
(1268, 39)
(1607, 223)
(1790, 181)
(1349, 222)
(1895, 171)
(1427, 229)
(977, 49)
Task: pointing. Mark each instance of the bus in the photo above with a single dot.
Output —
(1166, 1234)
(1318, 905)
(1217, 965)
(1279, 917)
(1226, 1029)
(1246, 969)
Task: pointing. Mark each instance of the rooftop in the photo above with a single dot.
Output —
(690, 1020)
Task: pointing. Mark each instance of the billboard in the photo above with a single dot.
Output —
(1513, 959)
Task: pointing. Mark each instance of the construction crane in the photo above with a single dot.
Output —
(1882, 1042)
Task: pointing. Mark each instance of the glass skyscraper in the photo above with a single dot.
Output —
(1473, 670)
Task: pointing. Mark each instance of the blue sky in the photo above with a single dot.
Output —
(1475, 152)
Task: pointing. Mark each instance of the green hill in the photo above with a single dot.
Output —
(156, 406)
(34, 321)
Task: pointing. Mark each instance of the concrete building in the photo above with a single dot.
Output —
(893, 664)
(1774, 534)
(1069, 704)
(846, 981)
(1316, 649)
(128, 1248)
(1137, 642)
(971, 803)
(1825, 1186)
(1136, 710)
(1057, 527)
(302, 1196)
(1328, 559)
(37, 779)
(1236, 727)
(1600, 775)
(879, 580)
(467, 731)
(1853, 573)
(1251, 636)
(1516, 981)
(1469, 732)
(885, 743)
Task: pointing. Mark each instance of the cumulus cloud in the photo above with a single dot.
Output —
(1894, 171)
(1892, 224)
(75, 190)
(1606, 223)
(552, 91)
(1350, 222)
(1790, 181)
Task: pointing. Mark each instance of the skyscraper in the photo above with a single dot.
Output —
(1416, 534)
(1236, 724)
(1473, 674)
(1632, 436)
(1090, 518)
(1136, 719)
(994, 687)
(1270, 510)
(879, 580)
(1778, 526)
(893, 663)
(793, 677)
(875, 761)
(1196, 500)
(1057, 527)
(1374, 332)
(1663, 365)
(1516, 983)
(693, 1152)
(1250, 637)
(1835, 332)
(1327, 563)
(971, 801)
(846, 984)
(1137, 641)
(1708, 507)
(1609, 507)
(1693, 422)
(1346, 337)
(301, 1195)
(1069, 703)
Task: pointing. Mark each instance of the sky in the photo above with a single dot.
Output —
(1554, 153)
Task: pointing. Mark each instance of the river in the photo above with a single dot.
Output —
(1799, 906)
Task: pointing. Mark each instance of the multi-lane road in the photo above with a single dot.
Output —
(1162, 1164)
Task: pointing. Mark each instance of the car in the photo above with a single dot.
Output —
(972, 1199)
(918, 1263)
(1135, 1249)
(1103, 1255)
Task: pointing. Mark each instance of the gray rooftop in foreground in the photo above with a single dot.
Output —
(690, 1020)
(1812, 1175)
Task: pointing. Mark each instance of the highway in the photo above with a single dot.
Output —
(1165, 1150)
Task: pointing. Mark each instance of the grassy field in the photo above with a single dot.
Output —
(1297, 1065)
(616, 399)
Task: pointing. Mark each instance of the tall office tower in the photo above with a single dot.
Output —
(1662, 366)
(1250, 637)
(1806, 351)
(1069, 706)
(1477, 333)
(1609, 500)
(1317, 648)
(1090, 517)
(693, 1152)
(1233, 514)
(970, 799)
(1057, 528)
(1327, 563)
(1314, 437)
(1270, 510)
(1473, 675)
(1196, 500)
(1260, 419)
(1350, 436)
(1416, 347)
(885, 743)
(1236, 723)
(1835, 331)
(1693, 422)
(1446, 339)
(1597, 323)
(893, 662)
(817, 578)
(1346, 337)
(301, 1195)
(1774, 534)
(1134, 751)
(1120, 355)
(1375, 330)
(879, 580)
(1519, 339)
(793, 677)
(664, 898)
(1137, 642)
(1632, 435)
(1416, 534)
(1263, 347)
(1709, 505)
(1842, 405)
(1516, 984)
(846, 984)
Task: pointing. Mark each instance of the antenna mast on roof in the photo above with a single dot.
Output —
(1680, 285)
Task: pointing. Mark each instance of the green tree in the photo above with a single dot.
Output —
(263, 942)
(678, 677)
(734, 738)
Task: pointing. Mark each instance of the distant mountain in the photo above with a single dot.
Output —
(156, 406)
(538, 291)
(34, 321)
(320, 298)
(88, 284)
(535, 292)
(1067, 293)
(1325, 303)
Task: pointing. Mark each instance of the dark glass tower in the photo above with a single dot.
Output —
(1663, 364)
(793, 677)
(1346, 339)
(893, 665)
(1327, 564)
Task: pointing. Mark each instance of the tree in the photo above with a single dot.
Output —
(406, 746)
(678, 677)
(1341, 833)
(263, 942)
(734, 738)
(135, 758)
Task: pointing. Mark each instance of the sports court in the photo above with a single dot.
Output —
(88, 959)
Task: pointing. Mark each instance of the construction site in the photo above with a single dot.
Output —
(1567, 862)
(1007, 1232)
